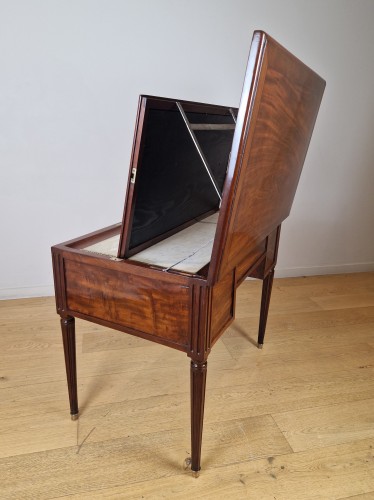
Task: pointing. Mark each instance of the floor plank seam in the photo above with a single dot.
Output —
(322, 406)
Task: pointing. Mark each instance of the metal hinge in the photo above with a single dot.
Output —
(133, 176)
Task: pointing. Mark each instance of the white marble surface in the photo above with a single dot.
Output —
(105, 247)
(189, 250)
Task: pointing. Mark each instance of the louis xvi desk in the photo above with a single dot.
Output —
(209, 187)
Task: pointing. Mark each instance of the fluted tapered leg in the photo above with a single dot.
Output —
(267, 286)
(68, 338)
(198, 380)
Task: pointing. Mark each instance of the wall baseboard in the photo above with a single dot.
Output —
(290, 272)
(294, 272)
(24, 292)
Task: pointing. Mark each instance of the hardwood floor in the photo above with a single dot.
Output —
(294, 421)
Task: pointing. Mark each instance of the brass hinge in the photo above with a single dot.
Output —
(133, 176)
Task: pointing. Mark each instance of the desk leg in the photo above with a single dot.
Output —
(198, 379)
(68, 338)
(267, 286)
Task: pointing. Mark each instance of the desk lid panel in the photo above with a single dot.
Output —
(279, 105)
(168, 188)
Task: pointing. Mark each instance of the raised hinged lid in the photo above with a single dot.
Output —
(178, 167)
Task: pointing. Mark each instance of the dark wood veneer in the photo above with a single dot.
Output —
(68, 339)
(189, 312)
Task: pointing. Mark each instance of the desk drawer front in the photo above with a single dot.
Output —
(137, 302)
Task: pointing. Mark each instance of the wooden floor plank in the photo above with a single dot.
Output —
(314, 475)
(37, 432)
(364, 299)
(364, 496)
(157, 454)
(328, 425)
(328, 282)
(283, 324)
(325, 340)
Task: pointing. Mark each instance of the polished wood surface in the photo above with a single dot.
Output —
(291, 421)
(278, 109)
(68, 340)
(190, 312)
(144, 303)
(198, 383)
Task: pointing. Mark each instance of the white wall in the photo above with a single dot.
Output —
(70, 75)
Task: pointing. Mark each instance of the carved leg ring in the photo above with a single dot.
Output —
(68, 338)
(198, 380)
(267, 286)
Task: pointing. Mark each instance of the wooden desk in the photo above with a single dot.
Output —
(164, 300)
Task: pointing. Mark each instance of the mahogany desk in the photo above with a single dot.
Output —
(245, 166)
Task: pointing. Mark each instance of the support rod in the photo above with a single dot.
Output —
(232, 114)
(197, 145)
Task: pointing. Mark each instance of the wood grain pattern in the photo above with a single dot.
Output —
(142, 303)
(324, 474)
(278, 109)
(336, 424)
(310, 388)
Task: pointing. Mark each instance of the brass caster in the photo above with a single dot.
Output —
(75, 416)
(260, 346)
(195, 473)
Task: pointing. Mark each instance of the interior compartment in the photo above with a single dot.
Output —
(188, 250)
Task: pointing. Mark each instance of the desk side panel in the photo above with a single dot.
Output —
(223, 305)
(124, 300)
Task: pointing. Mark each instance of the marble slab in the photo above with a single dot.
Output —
(188, 250)
(105, 247)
